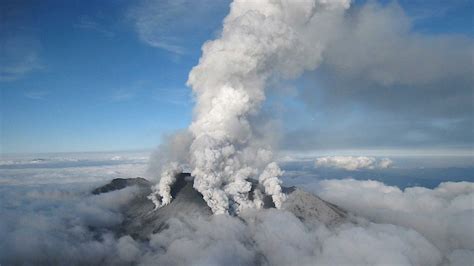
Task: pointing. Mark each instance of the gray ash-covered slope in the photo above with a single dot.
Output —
(141, 218)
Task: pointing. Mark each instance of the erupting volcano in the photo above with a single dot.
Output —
(260, 41)
(142, 219)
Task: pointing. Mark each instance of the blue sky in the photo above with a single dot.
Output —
(110, 75)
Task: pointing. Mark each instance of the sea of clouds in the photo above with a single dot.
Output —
(50, 217)
(353, 163)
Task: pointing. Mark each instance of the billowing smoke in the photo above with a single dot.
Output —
(260, 41)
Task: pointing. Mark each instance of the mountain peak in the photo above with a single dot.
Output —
(142, 220)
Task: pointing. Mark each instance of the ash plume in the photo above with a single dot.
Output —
(260, 41)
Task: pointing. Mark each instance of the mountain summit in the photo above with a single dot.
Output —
(142, 219)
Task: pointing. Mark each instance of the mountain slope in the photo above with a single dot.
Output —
(141, 219)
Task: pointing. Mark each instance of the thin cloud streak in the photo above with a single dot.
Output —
(174, 25)
(37, 95)
(20, 57)
(88, 23)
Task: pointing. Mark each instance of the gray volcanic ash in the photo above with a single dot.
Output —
(142, 219)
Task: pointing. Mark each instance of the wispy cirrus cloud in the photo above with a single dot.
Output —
(36, 95)
(173, 25)
(20, 56)
(89, 23)
(123, 94)
(19, 43)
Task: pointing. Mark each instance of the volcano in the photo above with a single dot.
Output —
(141, 219)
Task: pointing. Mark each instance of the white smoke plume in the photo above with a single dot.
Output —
(163, 188)
(272, 184)
(260, 41)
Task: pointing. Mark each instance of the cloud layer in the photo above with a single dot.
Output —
(54, 224)
(175, 26)
(352, 163)
(415, 227)
(51, 218)
(443, 215)
(386, 85)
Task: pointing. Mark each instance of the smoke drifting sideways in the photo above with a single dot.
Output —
(261, 41)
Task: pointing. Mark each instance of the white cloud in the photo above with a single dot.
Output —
(93, 24)
(385, 163)
(48, 213)
(20, 56)
(377, 66)
(273, 237)
(123, 94)
(172, 24)
(442, 215)
(51, 224)
(71, 168)
(378, 43)
(352, 163)
(36, 95)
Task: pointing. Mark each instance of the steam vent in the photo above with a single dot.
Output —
(142, 219)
